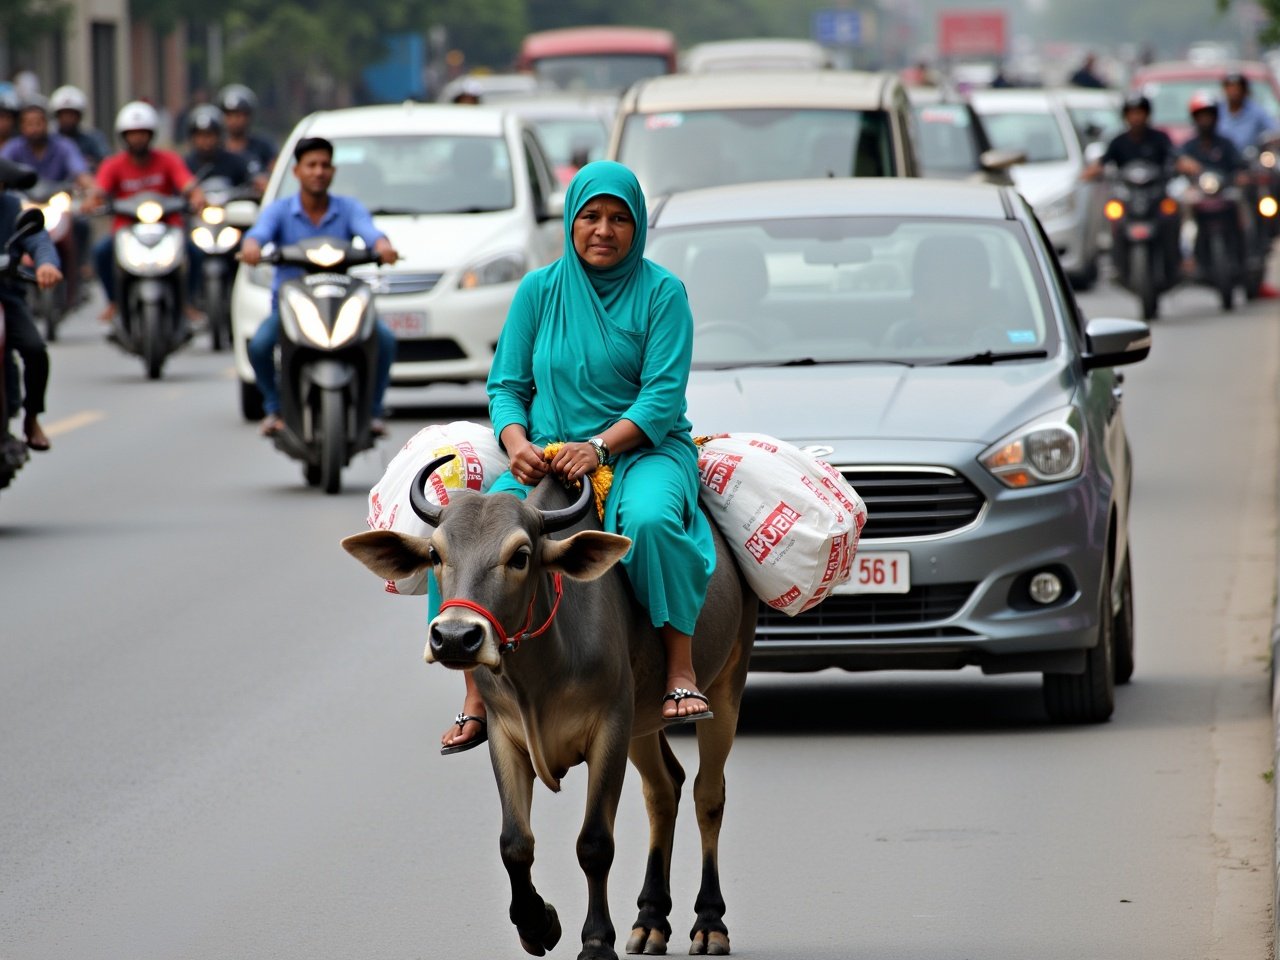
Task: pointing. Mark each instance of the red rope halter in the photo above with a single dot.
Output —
(508, 644)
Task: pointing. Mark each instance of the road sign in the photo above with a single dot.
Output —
(838, 28)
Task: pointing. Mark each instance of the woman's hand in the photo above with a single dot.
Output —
(527, 464)
(574, 461)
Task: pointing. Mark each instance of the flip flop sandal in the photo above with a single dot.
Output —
(682, 693)
(462, 720)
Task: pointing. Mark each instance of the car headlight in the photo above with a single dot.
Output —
(349, 315)
(1047, 450)
(506, 268)
(139, 256)
(308, 317)
(1057, 208)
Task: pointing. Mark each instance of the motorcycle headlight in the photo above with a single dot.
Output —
(202, 237)
(138, 256)
(1057, 208)
(228, 237)
(1268, 159)
(1047, 450)
(350, 313)
(308, 317)
(1210, 183)
(52, 217)
(506, 268)
(213, 215)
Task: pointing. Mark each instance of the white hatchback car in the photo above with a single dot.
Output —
(469, 199)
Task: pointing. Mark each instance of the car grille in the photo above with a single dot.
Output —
(424, 351)
(400, 283)
(850, 614)
(914, 503)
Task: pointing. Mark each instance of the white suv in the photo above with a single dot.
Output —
(467, 197)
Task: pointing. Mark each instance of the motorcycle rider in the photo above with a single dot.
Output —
(1241, 119)
(140, 168)
(1208, 149)
(10, 104)
(312, 212)
(208, 157)
(68, 105)
(238, 103)
(1140, 141)
(20, 328)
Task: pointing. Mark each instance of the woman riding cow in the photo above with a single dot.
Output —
(596, 352)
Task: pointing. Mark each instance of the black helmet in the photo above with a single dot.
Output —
(237, 97)
(205, 117)
(1136, 101)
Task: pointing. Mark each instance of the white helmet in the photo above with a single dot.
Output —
(137, 116)
(68, 98)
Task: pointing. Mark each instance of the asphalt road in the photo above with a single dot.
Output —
(217, 737)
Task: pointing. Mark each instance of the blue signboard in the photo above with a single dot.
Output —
(838, 28)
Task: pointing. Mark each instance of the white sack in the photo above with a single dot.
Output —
(478, 462)
(791, 520)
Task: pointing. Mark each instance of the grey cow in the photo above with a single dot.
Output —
(587, 689)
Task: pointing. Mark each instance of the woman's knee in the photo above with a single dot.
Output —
(650, 519)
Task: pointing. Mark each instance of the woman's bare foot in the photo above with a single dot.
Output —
(684, 698)
(458, 735)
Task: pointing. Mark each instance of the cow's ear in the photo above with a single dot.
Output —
(585, 555)
(391, 555)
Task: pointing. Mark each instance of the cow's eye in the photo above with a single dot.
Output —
(434, 556)
(519, 560)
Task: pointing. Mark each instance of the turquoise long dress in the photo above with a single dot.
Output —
(583, 348)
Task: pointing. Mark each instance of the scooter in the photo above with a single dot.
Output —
(328, 358)
(150, 261)
(1261, 207)
(13, 452)
(220, 241)
(1215, 204)
(1144, 233)
(57, 204)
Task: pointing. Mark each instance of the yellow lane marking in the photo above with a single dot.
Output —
(74, 422)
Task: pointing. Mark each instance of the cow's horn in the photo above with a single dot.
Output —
(553, 520)
(427, 511)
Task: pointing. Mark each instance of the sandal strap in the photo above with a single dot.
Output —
(463, 719)
(684, 693)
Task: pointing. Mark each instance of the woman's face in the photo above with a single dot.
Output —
(603, 231)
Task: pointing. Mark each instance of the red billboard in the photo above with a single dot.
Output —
(971, 33)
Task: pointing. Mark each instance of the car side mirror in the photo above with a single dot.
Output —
(30, 222)
(1114, 343)
(1094, 152)
(1001, 159)
(241, 213)
(552, 207)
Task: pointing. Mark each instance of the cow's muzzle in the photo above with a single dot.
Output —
(460, 643)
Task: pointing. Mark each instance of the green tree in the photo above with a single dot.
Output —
(25, 21)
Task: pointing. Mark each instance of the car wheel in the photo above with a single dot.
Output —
(251, 402)
(1124, 661)
(1090, 696)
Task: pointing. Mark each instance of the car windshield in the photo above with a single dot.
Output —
(706, 148)
(1034, 133)
(421, 174)
(605, 72)
(946, 141)
(1096, 123)
(858, 290)
(568, 139)
(1169, 98)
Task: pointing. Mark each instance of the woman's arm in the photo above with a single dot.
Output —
(664, 372)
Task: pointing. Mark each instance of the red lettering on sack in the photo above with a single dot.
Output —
(375, 512)
(442, 492)
(813, 488)
(834, 559)
(471, 465)
(391, 587)
(788, 598)
(839, 495)
(764, 445)
(770, 533)
(716, 470)
(814, 602)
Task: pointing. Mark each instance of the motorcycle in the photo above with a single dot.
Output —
(150, 261)
(13, 452)
(1144, 233)
(220, 241)
(1262, 203)
(328, 358)
(1215, 204)
(59, 207)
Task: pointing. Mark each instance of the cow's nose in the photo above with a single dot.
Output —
(451, 639)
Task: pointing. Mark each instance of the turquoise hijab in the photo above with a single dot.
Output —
(619, 294)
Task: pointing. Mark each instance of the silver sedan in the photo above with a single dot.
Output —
(922, 337)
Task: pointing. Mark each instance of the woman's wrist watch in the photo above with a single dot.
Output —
(602, 449)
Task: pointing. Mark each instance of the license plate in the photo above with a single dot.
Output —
(406, 323)
(879, 573)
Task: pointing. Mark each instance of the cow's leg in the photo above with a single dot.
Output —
(535, 920)
(662, 778)
(606, 769)
(715, 739)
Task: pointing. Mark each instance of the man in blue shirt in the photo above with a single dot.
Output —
(1241, 119)
(312, 212)
(54, 156)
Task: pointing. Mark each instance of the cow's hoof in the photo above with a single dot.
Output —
(713, 944)
(595, 950)
(651, 942)
(539, 942)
